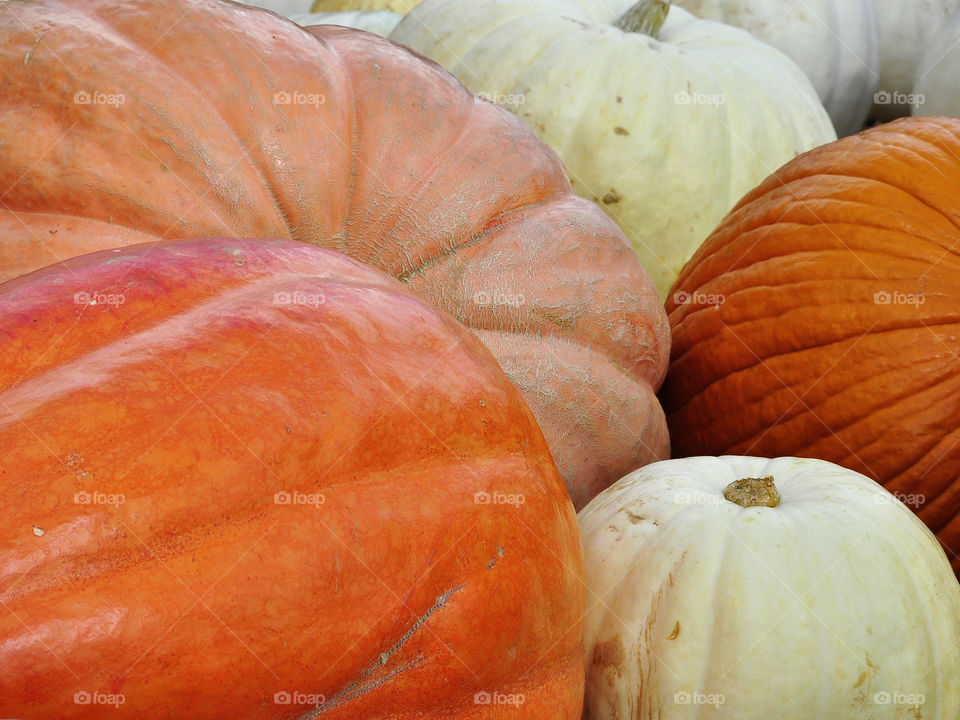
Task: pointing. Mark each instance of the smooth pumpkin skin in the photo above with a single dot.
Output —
(834, 41)
(398, 166)
(378, 22)
(812, 608)
(200, 397)
(936, 81)
(399, 6)
(907, 30)
(803, 357)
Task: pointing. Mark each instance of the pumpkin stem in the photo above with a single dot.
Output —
(646, 17)
(753, 492)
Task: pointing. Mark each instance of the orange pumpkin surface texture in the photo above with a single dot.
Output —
(242, 478)
(134, 120)
(822, 319)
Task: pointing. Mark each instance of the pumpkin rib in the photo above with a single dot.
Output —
(733, 374)
(745, 445)
(780, 226)
(808, 450)
(760, 360)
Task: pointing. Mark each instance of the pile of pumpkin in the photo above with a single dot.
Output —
(310, 354)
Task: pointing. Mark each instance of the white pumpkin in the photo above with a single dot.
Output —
(664, 134)
(281, 7)
(937, 85)
(831, 600)
(906, 28)
(400, 6)
(834, 41)
(378, 22)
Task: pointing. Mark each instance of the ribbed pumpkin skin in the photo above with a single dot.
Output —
(804, 356)
(200, 397)
(378, 154)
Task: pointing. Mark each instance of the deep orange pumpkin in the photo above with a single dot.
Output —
(158, 404)
(822, 319)
(131, 120)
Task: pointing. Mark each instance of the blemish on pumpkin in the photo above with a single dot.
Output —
(675, 632)
(611, 197)
(634, 518)
(609, 653)
(861, 679)
(619, 99)
(39, 532)
(621, 130)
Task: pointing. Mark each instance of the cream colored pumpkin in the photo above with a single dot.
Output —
(836, 603)
(400, 6)
(937, 84)
(834, 41)
(378, 22)
(906, 29)
(281, 7)
(664, 134)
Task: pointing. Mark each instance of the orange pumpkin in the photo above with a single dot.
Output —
(822, 319)
(245, 478)
(130, 120)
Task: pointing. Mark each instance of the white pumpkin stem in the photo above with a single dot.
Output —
(753, 492)
(646, 17)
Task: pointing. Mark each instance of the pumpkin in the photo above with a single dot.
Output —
(281, 7)
(245, 125)
(647, 126)
(378, 22)
(906, 30)
(820, 319)
(398, 6)
(834, 41)
(748, 588)
(258, 479)
(935, 88)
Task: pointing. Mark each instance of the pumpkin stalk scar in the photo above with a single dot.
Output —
(753, 492)
(366, 683)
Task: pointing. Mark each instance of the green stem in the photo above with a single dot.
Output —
(646, 17)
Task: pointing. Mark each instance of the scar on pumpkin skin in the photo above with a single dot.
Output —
(361, 686)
